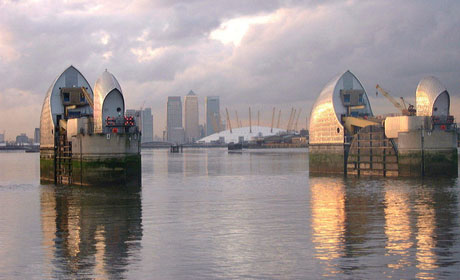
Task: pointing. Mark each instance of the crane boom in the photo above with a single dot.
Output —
(403, 102)
(409, 111)
(390, 98)
(88, 97)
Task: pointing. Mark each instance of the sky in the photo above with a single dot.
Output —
(258, 53)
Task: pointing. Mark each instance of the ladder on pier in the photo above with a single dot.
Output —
(63, 161)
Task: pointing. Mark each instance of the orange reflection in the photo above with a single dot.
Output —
(48, 219)
(397, 226)
(328, 219)
(426, 257)
(100, 270)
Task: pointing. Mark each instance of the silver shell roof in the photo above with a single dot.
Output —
(52, 105)
(428, 90)
(104, 85)
(325, 117)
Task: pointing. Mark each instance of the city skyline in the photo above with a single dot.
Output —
(174, 127)
(191, 117)
(263, 53)
(144, 120)
(212, 111)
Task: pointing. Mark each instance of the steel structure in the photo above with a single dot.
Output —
(342, 96)
(432, 98)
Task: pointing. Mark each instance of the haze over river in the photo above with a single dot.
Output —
(210, 214)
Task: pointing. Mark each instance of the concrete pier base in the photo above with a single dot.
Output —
(418, 153)
(47, 166)
(97, 160)
(327, 158)
(428, 153)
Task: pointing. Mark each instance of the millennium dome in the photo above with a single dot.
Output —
(246, 132)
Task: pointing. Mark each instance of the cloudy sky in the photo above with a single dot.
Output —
(260, 52)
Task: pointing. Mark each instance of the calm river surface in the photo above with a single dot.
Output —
(208, 214)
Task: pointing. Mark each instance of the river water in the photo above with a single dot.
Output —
(208, 214)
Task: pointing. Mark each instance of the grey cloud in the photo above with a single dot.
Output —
(394, 43)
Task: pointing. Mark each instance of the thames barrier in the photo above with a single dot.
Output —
(346, 137)
(85, 137)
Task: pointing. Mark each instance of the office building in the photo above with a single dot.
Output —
(212, 110)
(36, 136)
(147, 125)
(144, 121)
(22, 139)
(174, 130)
(191, 123)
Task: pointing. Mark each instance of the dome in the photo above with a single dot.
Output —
(257, 131)
(52, 105)
(342, 96)
(432, 98)
(108, 100)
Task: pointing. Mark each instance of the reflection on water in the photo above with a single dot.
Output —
(328, 220)
(218, 162)
(397, 226)
(436, 207)
(90, 231)
(426, 257)
(420, 221)
(210, 214)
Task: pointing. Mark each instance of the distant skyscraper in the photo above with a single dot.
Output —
(174, 129)
(212, 109)
(144, 121)
(192, 132)
(2, 137)
(22, 139)
(37, 136)
(147, 125)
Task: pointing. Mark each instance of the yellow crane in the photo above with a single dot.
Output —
(228, 121)
(273, 119)
(279, 117)
(88, 97)
(214, 123)
(406, 112)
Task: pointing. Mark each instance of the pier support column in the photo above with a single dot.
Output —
(327, 158)
(427, 153)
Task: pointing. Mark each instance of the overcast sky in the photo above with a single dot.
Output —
(262, 53)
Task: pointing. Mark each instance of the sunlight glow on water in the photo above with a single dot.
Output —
(207, 214)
